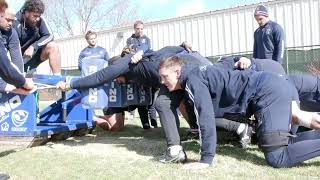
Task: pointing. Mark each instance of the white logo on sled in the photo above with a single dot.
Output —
(130, 96)
(93, 95)
(5, 127)
(3, 118)
(112, 93)
(8, 106)
(142, 96)
(19, 117)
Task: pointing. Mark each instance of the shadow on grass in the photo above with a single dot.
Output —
(6, 153)
(152, 143)
(144, 142)
(228, 145)
(307, 164)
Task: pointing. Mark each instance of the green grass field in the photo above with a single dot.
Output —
(132, 154)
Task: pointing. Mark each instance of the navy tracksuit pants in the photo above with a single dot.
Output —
(304, 146)
(272, 104)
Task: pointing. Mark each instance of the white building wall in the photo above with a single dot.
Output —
(212, 33)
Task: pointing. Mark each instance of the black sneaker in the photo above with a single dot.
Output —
(191, 135)
(168, 158)
(154, 123)
(146, 126)
(245, 136)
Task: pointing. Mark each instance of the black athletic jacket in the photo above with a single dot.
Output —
(145, 72)
(7, 72)
(36, 37)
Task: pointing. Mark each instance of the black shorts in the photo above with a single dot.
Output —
(113, 110)
(34, 62)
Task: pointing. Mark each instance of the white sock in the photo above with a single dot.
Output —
(175, 149)
(241, 128)
(304, 117)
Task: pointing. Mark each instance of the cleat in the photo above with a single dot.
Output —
(181, 157)
(146, 126)
(154, 123)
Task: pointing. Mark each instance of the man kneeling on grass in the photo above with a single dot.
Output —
(217, 92)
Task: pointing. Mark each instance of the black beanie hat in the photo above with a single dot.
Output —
(261, 10)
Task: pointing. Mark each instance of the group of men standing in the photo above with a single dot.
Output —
(137, 41)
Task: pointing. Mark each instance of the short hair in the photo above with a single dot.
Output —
(10, 13)
(170, 62)
(128, 50)
(89, 33)
(3, 5)
(137, 23)
(33, 6)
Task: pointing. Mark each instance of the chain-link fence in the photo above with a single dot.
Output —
(304, 59)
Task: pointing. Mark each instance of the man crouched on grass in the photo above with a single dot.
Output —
(217, 92)
(35, 37)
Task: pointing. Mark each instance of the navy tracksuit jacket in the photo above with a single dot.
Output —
(218, 92)
(37, 37)
(7, 72)
(257, 64)
(269, 42)
(305, 87)
(11, 41)
(12, 44)
(140, 43)
(145, 72)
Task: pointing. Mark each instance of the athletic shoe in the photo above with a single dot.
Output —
(245, 136)
(181, 157)
(154, 123)
(146, 126)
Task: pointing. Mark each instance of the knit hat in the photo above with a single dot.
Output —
(261, 10)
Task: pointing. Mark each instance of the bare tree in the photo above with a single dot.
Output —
(74, 17)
